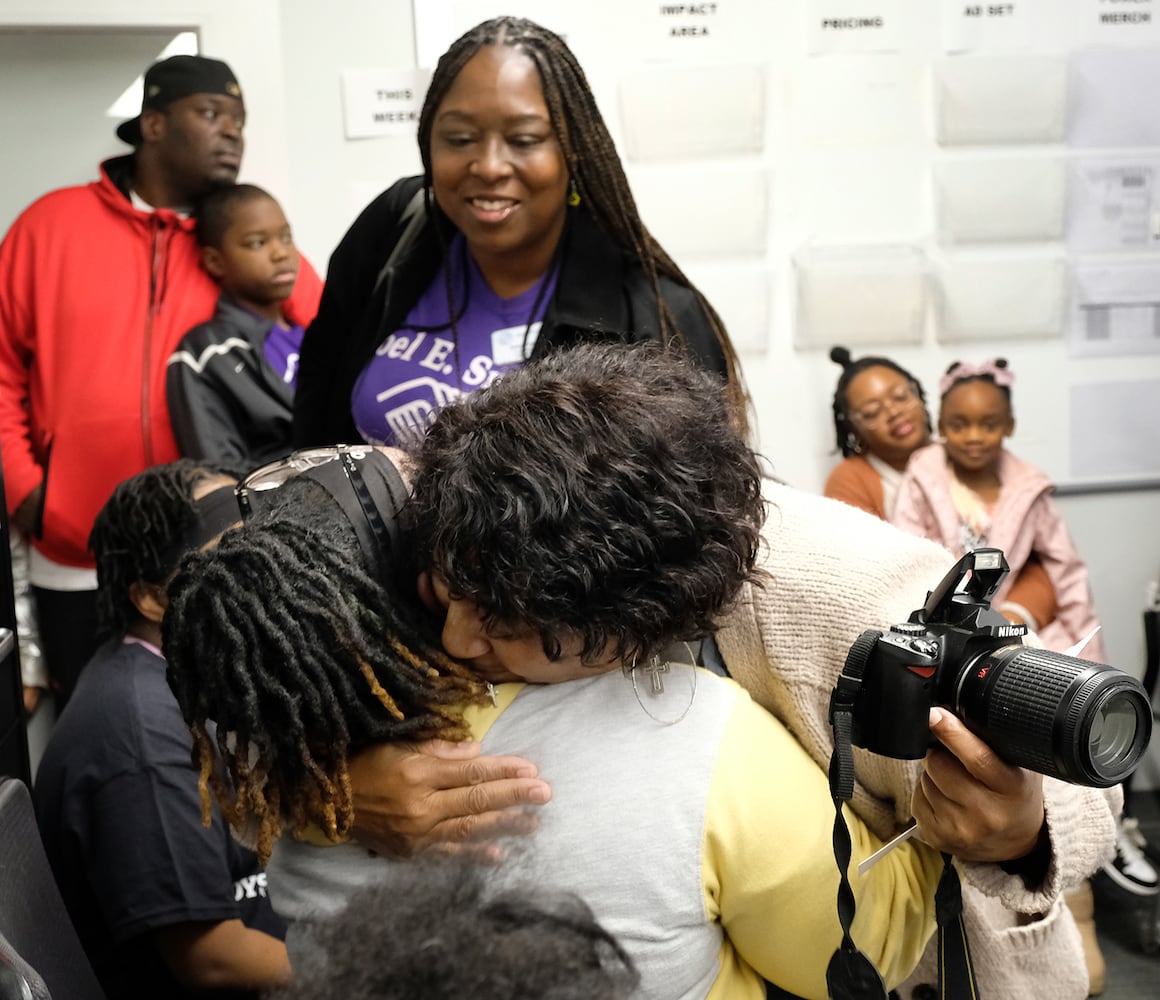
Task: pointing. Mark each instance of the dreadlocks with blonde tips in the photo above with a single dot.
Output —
(300, 659)
(592, 160)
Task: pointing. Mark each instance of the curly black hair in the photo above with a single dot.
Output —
(444, 929)
(280, 637)
(137, 536)
(601, 493)
(593, 164)
(845, 434)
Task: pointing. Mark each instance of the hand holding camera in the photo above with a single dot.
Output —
(1078, 721)
(970, 802)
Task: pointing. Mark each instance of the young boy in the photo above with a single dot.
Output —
(230, 383)
(164, 906)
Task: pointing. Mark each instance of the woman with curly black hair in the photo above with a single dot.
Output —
(572, 521)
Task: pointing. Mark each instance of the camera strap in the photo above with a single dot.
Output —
(851, 975)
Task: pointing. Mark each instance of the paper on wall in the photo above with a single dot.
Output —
(1114, 204)
(1129, 23)
(859, 295)
(670, 113)
(722, 210)
(1014, 24)
(1000, 200)
(1000, 99)
(1116, 309)
(1000, 297)
(685, 31)
(854, 26)
(379, 102)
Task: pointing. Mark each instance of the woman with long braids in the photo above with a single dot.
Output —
(520, 237)
(579, 516)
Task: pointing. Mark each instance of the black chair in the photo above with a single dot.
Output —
(38, 943)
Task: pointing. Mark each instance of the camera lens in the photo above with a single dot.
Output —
(1082, 722)
(1112, 736)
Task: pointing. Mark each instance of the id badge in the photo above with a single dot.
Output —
(508, 346)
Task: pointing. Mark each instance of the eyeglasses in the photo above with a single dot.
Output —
(337, 470)
(254, 492)
(901, 397)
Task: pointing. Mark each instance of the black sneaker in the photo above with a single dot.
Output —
(1130, 869)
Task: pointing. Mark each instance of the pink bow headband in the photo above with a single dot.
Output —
(962, 371)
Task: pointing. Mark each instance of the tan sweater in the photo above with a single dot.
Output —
(835, 571)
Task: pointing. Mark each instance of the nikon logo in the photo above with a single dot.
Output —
(1008, 630)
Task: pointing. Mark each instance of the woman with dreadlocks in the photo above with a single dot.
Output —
(164, 905)
(302, 655)
(520, 237)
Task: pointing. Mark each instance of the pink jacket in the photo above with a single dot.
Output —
(1024, 520)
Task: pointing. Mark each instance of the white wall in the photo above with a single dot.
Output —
(332, 178)
(1116, 534)
(64, 74)
(246, 35)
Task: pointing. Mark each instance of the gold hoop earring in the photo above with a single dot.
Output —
(656, 669)
(573, 194)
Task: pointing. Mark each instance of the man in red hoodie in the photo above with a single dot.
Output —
(98, 283)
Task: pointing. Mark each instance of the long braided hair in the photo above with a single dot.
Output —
(592, 161)
(301, 659)
(137, 536)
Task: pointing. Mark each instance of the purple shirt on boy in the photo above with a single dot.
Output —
(281, 350)
(412, 375)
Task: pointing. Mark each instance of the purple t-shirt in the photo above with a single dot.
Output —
(281, 350)
(413, 373)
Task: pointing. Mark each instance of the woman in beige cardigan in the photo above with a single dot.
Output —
(834, 572)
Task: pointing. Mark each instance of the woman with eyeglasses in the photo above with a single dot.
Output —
(880, 419)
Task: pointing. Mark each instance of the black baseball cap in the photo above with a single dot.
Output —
(174, 78)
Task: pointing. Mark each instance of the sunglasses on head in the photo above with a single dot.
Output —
(361, 480)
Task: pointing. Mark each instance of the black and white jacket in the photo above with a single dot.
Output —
(226, 402)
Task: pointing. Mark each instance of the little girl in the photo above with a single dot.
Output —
(969, 491)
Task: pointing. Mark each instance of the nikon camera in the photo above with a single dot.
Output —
(1068, 718)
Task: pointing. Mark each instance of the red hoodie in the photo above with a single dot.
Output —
(94, 297)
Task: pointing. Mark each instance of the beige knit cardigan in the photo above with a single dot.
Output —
(834, 571)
